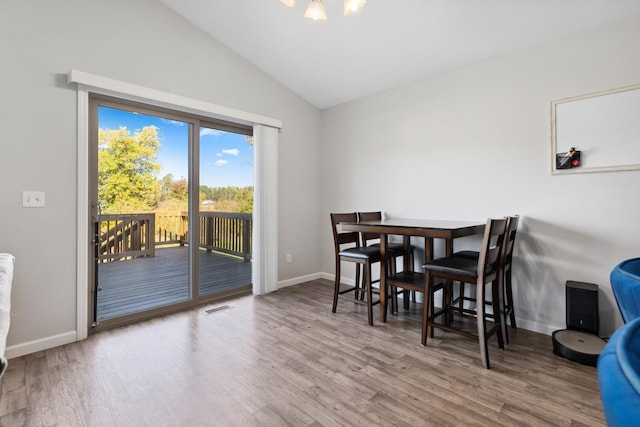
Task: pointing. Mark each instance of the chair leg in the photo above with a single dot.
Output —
(482, 326)
(391, 267)
(427, 309)
(432, 307)
(405, 293)
(426, 313)
(501, 306)
(461, 297)
(497, 294)
(336, 289)
(394, 300)
(359, 291)
(447, 299)
(367, 283)
(509, 297)
(413, 293)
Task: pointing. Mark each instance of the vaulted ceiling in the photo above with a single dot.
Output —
(389, 42)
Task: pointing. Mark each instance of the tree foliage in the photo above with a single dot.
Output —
(127, 166)
(128, 182)
(229, 199)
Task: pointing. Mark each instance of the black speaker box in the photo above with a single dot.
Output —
(582, 307)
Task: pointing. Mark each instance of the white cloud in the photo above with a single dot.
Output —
(209, 132)
(231, 151)
(221, 162)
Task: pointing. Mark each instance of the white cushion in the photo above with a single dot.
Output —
(6, 277)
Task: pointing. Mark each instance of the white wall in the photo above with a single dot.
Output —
(140, 42)
(475, 143)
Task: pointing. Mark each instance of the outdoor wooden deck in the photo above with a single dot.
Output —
(144, 283)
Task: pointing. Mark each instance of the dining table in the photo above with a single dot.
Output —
(429, 229)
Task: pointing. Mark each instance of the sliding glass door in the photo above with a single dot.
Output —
(172, 222)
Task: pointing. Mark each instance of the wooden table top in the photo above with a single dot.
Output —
(434, 228)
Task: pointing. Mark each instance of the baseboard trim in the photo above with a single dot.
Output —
(314, 276)
(40, 344)
(332, 277)
(300, 279)
(536, 327)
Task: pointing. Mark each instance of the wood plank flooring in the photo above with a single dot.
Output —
(284, 359)
(144, 283)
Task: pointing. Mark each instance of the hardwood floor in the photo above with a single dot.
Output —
(284, 359)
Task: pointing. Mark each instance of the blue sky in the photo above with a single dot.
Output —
(226, 159)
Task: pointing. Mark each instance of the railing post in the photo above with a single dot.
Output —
(211, 237)
(246, 238)
(151, 235)
(184, 226)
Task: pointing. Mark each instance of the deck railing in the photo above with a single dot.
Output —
(127, 236)
(227, 232)
(171, 228)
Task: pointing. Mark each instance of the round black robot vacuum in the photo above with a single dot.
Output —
(580, 346)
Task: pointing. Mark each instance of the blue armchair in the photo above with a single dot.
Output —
(619, 376)
(625, 282)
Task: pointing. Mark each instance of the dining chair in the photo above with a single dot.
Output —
(484, 273)
(506, 261)
(395, 250)
(349, 249)
(414, 281)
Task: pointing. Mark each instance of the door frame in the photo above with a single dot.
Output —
(265, 237)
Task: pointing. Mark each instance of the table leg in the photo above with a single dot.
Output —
(406, 243)
(448, 287)
(427, 298)
(383, 277)
(428, 249)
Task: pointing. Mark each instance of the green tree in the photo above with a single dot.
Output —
(127, 166)
(229, 199)
(179, 190)
(165, 186)
(246, 203)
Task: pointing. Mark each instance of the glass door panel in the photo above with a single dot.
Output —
(226, 211)
(142, 256)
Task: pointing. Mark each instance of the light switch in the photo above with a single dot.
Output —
(33, 199)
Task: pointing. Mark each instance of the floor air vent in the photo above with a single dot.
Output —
(216, 309)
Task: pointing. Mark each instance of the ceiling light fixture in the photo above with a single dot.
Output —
(351, 6)
(315, 10)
